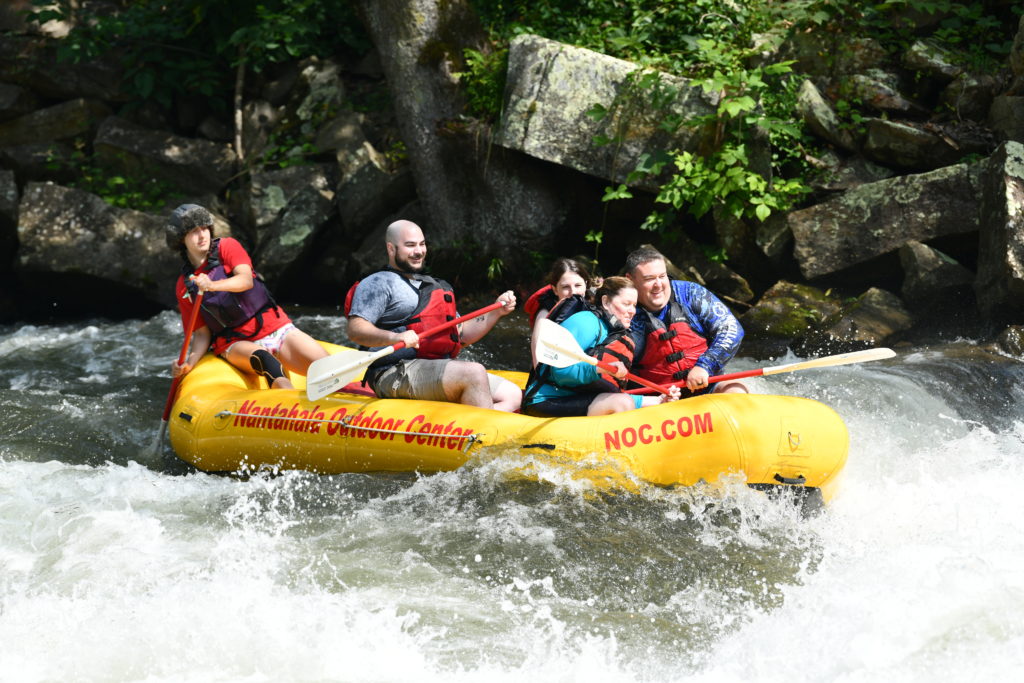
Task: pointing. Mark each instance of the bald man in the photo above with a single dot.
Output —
(396, 304)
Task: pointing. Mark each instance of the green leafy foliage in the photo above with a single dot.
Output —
(141, 193)
(192, 46)
(711, 42)
(483, 82)
(495, 269)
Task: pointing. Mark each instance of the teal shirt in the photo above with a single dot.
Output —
(589, 331)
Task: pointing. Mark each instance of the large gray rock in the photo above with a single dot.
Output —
(259, 120)
(1000, 281)
(907, 146)
(341, 134)
(288, 209)
(15, 101)
(826, 53)
(60, 122)
(821, 118)
(933, 60)
(32, 63)
(839, 173)
(1016, 60)
(320, 89)
(43, 161)
(970, 96)
(874, 317)
(551, 87)
(8, 217)
(881, 91)
(784, 313)
(369, 189)
(929, 274)
(1006, 117)
(189, 164)
(878, 218)
(75, 239)
(472, 193)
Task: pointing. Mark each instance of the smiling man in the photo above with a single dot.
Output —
(686, 333)
(397, 303)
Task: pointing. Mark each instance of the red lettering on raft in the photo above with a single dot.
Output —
(682, 427)
(374, 426)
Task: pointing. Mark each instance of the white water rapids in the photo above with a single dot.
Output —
(115, 566)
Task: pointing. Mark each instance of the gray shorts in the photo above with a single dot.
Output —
(418, 378)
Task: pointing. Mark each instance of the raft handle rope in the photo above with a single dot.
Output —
(346, 423)
(800, 480)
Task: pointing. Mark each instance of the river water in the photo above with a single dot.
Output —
(119, 565)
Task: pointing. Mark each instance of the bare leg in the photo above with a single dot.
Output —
(299, 350)
(239, 355)
(731, 388)
(606, 404)
(506, 395)
(467, 383)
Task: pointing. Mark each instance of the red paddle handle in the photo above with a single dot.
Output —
(711, 380)
(630, 376)
(451, 323)
(184, 352)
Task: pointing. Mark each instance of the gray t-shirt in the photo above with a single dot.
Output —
(385, 299)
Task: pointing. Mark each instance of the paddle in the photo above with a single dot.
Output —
(558, 348)
(824, 362)
(329, 374)
(155, 449)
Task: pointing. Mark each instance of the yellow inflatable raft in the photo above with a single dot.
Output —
(226, 421)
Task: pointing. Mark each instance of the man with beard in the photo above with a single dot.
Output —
(684, 333)
(396, 304)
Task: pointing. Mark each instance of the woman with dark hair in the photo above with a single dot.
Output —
(567, 277)
(603, 329)
(239, 318)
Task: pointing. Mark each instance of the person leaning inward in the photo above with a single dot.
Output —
(240, 320)
(603, 329)
(566, 278)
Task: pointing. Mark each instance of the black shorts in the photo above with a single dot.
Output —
(561, 406)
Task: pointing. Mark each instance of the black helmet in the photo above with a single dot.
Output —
(183, 220)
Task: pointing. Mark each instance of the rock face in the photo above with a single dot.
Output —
(70, 238)
(189, 164)
(8, 218)
(472, 194)
(529, 187)
(59, 122)
(878, 218)
(288, 208)
(930, 274)
(821, 118)
(551, 89)
(869, 321)
(786, 312)
(1000, 282)
(30, 62)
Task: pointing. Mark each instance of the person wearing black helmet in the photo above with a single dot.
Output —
(239, 319)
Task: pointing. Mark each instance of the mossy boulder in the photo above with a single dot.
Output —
(784, 313)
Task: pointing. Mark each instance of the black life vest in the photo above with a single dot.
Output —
(436, 306)
(617, 346)
(671, 346)
(224, 311)
(543, 299)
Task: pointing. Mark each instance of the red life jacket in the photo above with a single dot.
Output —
(543, 299)
(671, 347)
(436, 306)
(617, 346)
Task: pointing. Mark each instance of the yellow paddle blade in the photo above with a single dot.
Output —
(830, 361)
